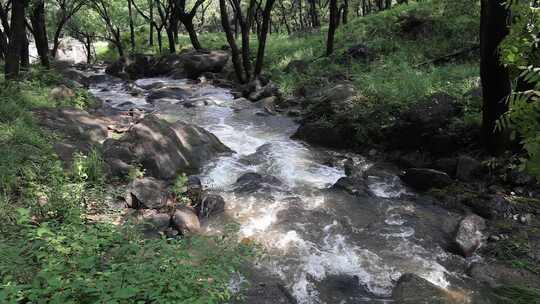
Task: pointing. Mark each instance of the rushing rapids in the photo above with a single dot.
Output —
(325, 245)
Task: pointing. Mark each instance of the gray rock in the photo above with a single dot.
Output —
(164, 149)
(147, 193)
(469, 236)
(211, 204)
(186, 221)
(196, 63)
(168, 93)
(153, 220)
(412, 289)
(254, 182)
(497, 275)
(424, 179)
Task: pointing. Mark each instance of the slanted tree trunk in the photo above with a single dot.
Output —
(17, 38)
(332, 25)
(495, 79)
(262, 38)
(190, 28)
(37, 19)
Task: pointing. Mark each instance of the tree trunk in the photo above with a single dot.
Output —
(40, 32)
(495, 79)
(131, 27)
(313, 14)
(345, 12)
(160, 40)
(16, 40)
(235, 53)
(170, 37)
(152, 25)
(262, 41)
(56, 39)
(188, 24)
(88, 46)
(332, 25)
(3, 45)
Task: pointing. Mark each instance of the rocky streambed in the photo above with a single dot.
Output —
(335, 228)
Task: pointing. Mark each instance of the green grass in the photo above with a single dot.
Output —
(50, 250)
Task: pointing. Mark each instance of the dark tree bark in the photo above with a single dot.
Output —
(314, 15)
(3, 45)
(495, 79)
(262, 39)
(131, 26)
(235, 52)
(37, 19)
(332, 27)
(345, 12)
(17, 38)
(187, 17)
(25, 52)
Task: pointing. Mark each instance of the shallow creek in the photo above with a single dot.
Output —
(316, 240)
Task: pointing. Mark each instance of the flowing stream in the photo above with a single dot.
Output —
(325, 246)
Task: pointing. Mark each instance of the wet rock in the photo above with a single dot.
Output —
(186, 221)
(354, 186)
(468, 169)
(164, 149)
(146, 193)
(490, 207)
(424, 179)
(254, 182)
(211, 204)
(412, 289)
(168, 93)
(324, 134)
(519, 178)
(259, 92)
(269, 104)
(336, 288)
(497, 275)
(469, 236)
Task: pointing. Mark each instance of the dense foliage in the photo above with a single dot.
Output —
(520, 52)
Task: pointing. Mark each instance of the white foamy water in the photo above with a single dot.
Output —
(310, 235)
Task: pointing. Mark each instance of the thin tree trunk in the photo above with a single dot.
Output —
(262, 41)
(188, 24)
(331, 27)
(131, 26)
(235, 53)
(40, 32)
(494, 76)
(25, 52)
(16, 40)
(170, 37)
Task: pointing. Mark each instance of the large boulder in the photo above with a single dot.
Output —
(147, 193)
(196, 63)
(74, 123)
(424, 126)
(412, 289)
(186, 221)
(253, 182)
(424, 179)
(164, 149)
(211, 204)
(469, 236)
(328, 121)
(190, 64)
(324, 134)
